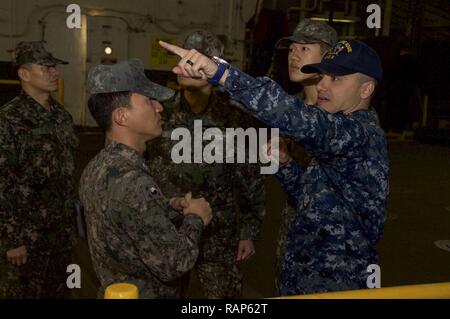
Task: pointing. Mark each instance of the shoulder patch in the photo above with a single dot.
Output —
(151, 192)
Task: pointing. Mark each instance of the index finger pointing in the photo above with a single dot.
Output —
(173, 48)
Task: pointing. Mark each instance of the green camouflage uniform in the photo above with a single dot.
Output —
(37, 193)
(132, 229)
(132, 237)
(227, 187)
(37, 189)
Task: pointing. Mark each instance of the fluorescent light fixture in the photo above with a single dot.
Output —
(334, 20)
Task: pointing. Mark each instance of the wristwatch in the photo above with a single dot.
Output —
(222, 66)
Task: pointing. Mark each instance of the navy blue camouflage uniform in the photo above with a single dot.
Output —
(341, 197)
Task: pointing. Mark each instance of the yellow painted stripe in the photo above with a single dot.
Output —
(10, 82)
(427, 291)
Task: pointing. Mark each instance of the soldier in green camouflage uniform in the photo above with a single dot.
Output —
(228, 187)
(310, 41)
(37, 189)
(132, 229)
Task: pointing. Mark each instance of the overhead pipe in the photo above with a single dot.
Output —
(312, 8)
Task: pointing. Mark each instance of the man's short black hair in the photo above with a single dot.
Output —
(102, 105)
(324, 48)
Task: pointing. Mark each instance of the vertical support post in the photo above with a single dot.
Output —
(61, 91)
(425, 111)
(387, 18)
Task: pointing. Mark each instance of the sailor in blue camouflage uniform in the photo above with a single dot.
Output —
(342, 197)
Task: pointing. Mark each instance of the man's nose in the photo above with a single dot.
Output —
(323, 84)
(158, 107)
(295, 56)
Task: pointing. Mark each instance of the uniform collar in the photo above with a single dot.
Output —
(364, 113)
(129, 153)
(25, 97)
(37, 109)
(184, 105)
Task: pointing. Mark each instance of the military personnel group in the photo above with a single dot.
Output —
(150, 221)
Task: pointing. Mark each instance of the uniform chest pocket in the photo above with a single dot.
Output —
(66, 136)
(40, 153)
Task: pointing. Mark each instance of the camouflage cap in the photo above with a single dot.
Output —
(309, 31)
(34, 52)
(204, 42)
(125, 76)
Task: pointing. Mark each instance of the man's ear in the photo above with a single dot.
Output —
(24, 74)
(120, 116)
(367, 90)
